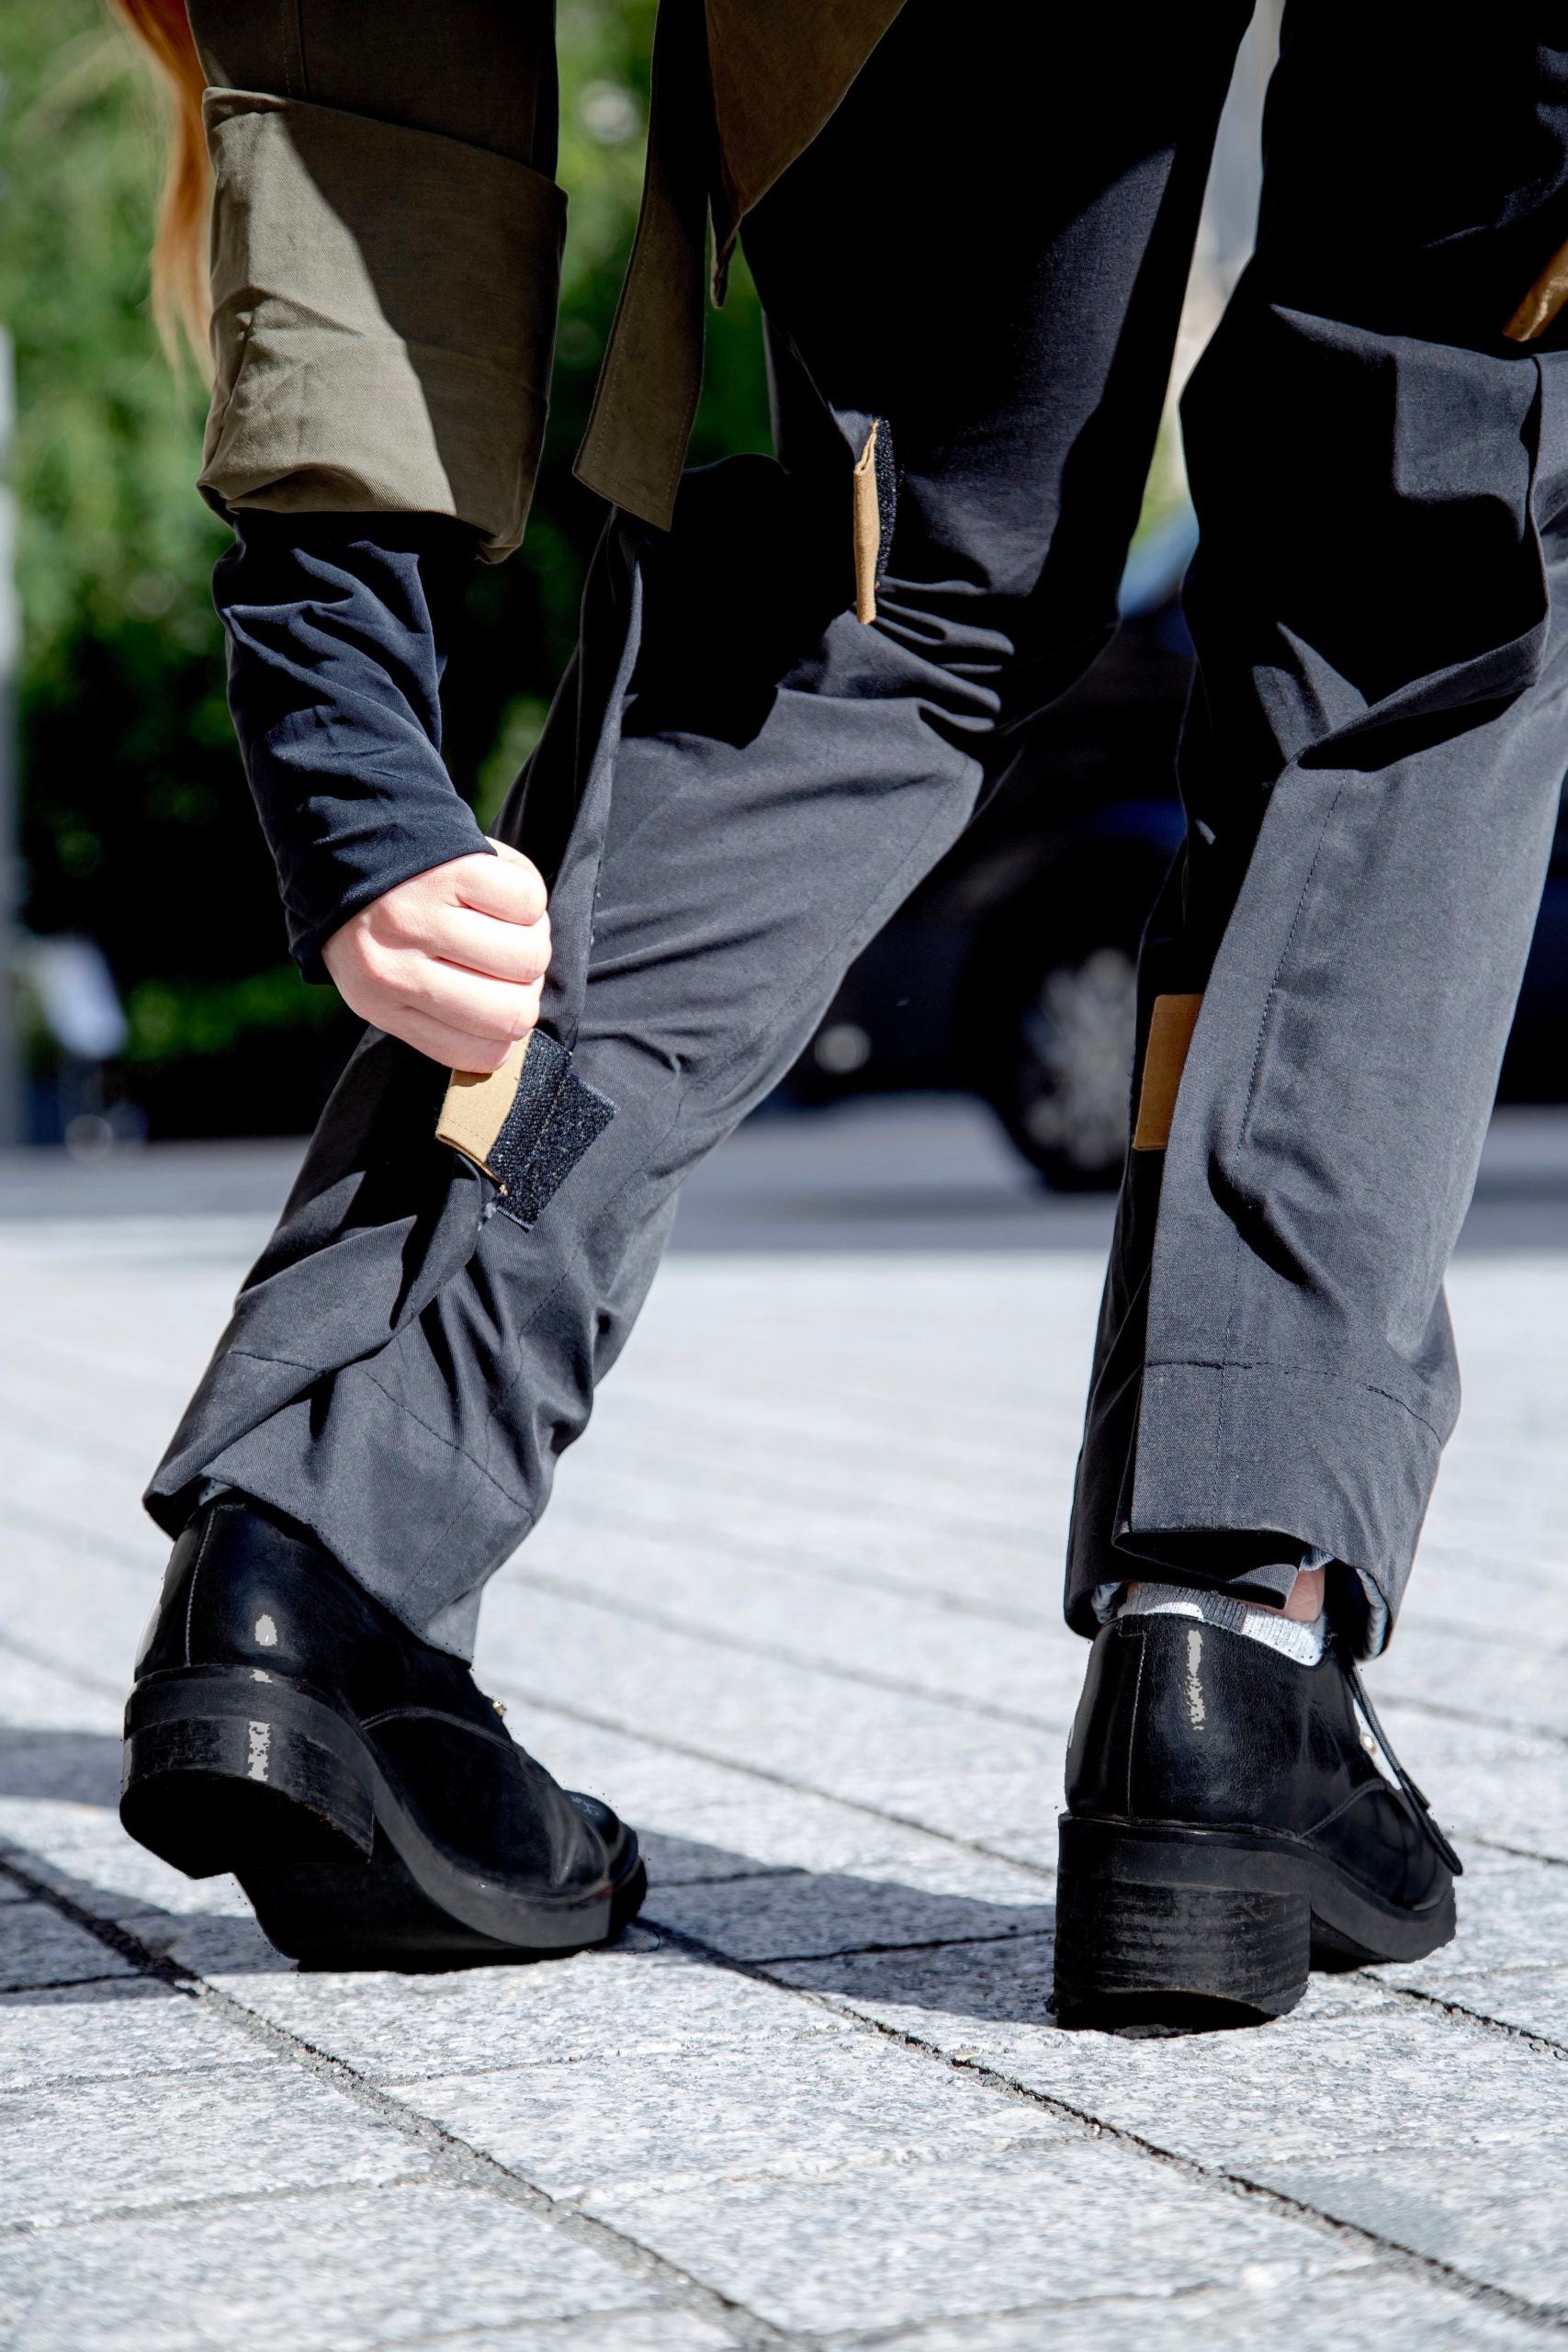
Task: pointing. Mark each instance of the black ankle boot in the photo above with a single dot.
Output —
(283, 1725)
(1228, 1828)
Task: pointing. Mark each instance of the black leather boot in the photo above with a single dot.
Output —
(285, 1726)
(1228, 1828)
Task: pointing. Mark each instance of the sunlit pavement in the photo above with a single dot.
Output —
(795, 1611)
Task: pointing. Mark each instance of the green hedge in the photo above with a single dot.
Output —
(137, 827)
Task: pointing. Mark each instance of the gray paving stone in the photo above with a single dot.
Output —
(890, 2247)
(1032, 1666)
(127, 2027)
(38, 1947)
(1520, 1682)
(1528, 2000)
(1414, 2118)
(38, 1697)
(101, 2147)
(1353, 2069)
(1007, 1983)
(744, 1822)
(405, 2265)
(805, 1726)
(790, 1918)
(1503, 1785)
(81, 1851)
(787, 2107)
(643, 2331)
(603, 2006)
(214, 1944)
(1512, 1914)
(1327, 2314)
(112, 1586)
(906, 1509)
(1490, 2207)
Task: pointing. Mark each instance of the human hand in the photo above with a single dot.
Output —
(452, 961)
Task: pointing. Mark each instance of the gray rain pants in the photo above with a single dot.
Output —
(739, 782)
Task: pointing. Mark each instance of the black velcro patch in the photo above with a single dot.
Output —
(553, 1119)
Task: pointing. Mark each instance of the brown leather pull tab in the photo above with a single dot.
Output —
(477, 1106)
(1542, 302)
(868, 528)
(1171, 1024)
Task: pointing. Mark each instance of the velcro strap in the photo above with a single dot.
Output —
(526, 1124)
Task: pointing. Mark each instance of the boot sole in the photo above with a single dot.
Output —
(224, 1771)
(1192, 1927)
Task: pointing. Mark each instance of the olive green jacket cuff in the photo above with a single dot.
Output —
(383, 325)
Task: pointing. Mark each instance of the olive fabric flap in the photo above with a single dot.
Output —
(1171, 1024)
(383, 317)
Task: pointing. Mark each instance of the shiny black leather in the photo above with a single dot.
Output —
(247, 1593)
(1185, 1725)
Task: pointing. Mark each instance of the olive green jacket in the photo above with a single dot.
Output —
(387, 237)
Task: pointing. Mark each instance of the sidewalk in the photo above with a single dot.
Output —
(795, 1613)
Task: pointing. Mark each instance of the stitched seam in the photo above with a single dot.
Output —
(1376, 1780)
(196, 1571)
(293, 1363)
(748, 1046)
(1290, 1371)
(438, 1541)
(772, 1028)
(1254, 1077)
(1133, 1728)
(452, 1444)
(434, 1715)
(572, 1263)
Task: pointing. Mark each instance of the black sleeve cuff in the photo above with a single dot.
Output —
(338, 627)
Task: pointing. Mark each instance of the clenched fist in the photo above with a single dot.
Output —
(452, 961)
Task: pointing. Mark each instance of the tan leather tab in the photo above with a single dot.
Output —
(868, 528)
(1171, 1024)
(1542, 302)
(475, 1107)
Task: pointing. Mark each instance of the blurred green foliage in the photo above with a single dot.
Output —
(137, 826)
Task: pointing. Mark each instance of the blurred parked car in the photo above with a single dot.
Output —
(1010, 974)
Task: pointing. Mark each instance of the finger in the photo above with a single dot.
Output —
(503, 951)
(453, 1048)
(469, 1002)
(511, 888)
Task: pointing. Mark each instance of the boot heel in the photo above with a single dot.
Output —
(1135, 1946)
(226, 1774)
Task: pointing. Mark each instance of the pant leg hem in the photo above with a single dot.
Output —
(1230, 1448)
(381, 1490)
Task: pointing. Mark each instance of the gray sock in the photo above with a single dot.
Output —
(1302, 1643)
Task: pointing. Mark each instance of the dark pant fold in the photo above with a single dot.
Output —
(740, 782)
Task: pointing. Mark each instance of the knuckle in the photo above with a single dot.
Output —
(402, 922)
(376, 962)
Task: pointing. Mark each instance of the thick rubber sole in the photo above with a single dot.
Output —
(226, 1772)
(1189, 1927)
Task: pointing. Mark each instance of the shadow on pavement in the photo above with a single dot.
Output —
(831, 1931)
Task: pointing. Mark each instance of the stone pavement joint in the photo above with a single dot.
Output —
(467, 2165)
(1479, 2291)
(819, 2099)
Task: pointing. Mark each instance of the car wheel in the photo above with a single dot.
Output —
(1062, 1070)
